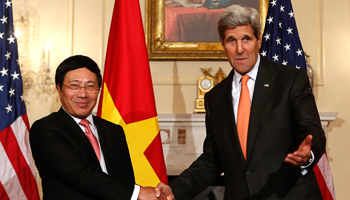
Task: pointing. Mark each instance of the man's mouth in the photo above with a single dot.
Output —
(240, 59)
(82, 104)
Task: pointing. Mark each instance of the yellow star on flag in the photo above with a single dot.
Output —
(139, 136)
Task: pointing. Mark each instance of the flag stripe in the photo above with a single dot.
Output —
(14, 154)
(26, 121)
(322, 184)
(3, 194)
(8, 177)
(325, 178)
(325, 169)
(19, 128)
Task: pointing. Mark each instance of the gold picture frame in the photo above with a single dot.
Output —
(159, 49)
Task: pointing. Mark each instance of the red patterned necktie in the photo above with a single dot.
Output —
(243, 115)
(91, 137)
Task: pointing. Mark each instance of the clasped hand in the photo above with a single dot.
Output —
(151, 193)
(166, 190)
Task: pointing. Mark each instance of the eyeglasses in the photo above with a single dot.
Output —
(75, 88)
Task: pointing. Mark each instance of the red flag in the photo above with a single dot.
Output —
(127, 96)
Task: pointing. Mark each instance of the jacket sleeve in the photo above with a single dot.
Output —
(202, 172)
(305, 115)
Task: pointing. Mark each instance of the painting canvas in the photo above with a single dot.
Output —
(186, 29)
(195, 20)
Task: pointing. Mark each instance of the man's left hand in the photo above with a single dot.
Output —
(302, 155)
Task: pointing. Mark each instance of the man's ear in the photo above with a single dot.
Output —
(58, 87)
(259, 40)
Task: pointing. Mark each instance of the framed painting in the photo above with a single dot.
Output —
(186, 29)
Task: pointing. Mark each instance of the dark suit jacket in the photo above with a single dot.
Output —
(68, 165)
(283, 113)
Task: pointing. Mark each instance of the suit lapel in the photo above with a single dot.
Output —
(229, 116)
(262, 90)
(73, 131)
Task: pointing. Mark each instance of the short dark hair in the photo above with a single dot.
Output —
(76, 62)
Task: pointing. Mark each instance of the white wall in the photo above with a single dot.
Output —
(81, 27)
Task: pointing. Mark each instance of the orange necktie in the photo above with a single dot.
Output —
(91, 137)
(243, 115)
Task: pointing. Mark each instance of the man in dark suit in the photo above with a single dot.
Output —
(270, 153)
(78, 155)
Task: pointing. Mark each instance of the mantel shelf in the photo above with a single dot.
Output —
(326, 118)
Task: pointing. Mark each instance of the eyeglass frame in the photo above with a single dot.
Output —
(80, 86)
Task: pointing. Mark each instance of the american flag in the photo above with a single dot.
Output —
(17, 169)
(281, 43)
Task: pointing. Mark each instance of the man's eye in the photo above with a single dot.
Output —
(91, 86)
(247, 39)
(74, 85)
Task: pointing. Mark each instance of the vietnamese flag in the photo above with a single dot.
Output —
(127, 96)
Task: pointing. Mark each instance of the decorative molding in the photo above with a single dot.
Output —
(174, 81)
(321, 52)
(105, 30)
(70, 27)
(325, 117)
(181, 118)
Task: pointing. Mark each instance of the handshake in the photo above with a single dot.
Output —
(162, 192)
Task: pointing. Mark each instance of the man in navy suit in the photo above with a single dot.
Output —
(70, 166)
(284, 139)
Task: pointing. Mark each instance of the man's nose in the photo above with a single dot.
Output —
(240, 48)
(82, 92)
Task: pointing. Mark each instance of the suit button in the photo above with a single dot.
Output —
(248, 173)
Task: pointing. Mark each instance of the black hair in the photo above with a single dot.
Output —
(76, 62)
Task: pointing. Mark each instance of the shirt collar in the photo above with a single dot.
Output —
(252, 73)
(77, 120)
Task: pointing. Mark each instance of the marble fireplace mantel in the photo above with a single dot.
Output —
(183, 135)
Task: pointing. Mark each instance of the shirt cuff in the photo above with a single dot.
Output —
(304, 168)
(136, 192)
